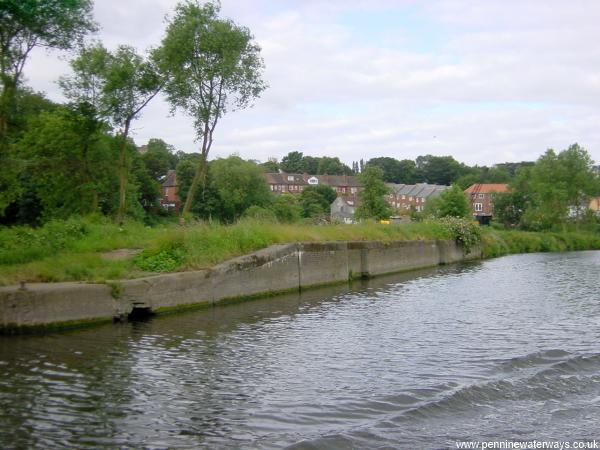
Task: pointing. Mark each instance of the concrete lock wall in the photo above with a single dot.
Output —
(47, 303)
(278, 268)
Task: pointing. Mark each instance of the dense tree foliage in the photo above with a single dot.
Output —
(509, 208)
(316, 201)
(118, 86)
(450, 203)
(159, 157)
(231, 186)
(556, 188)
(296, 162)
(27, 24)
(372, 198)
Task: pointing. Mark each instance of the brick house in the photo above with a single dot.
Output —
(344, 185)
(481, 199)
(170, 192)
(412, 196)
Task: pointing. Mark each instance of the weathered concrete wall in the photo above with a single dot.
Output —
(382, 258)
(164, 291)
(274, 269)
(46, 303)
(270, 270)
(322, 262)
(356, 255)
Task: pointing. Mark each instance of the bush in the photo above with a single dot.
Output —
(260, 213)
(161, 260)
(23, 243)
(466, 233)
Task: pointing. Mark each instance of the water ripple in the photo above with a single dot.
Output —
(505, 349)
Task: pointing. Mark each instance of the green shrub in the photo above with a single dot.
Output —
(22, 244)
(465, 232)
(166, 260)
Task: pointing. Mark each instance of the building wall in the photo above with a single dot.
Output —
(481, 204)
(406, 202)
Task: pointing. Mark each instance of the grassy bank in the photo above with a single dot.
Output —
(79, 249)
(76, 250)
(503, 242)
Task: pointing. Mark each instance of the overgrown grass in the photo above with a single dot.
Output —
(503, 242)
(73, 250)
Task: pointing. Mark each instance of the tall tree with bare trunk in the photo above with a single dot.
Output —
(212, 65)
(117, 86)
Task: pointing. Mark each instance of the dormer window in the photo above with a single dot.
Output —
(290, 177)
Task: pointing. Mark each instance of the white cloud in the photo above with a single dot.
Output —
(504, 80)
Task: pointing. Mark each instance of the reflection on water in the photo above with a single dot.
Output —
(504, 349)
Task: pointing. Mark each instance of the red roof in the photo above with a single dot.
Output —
(482, 188)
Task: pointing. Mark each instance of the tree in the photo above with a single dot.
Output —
(14, 179)
(293, 162)
(332, 166)
(311, 165)
(239, 185)
(286, 208)
(557, 187)
(72, 170)
(270, 166)
(509, 208)
(206, 199)
(372, 201)
(316, 200)
(439, 169)
(131, 83)
(390, 167)
(211, 65)
(119, 86)
(453, 203)
(232, 186)
(26, 24)
(159, 158)
(395, 171)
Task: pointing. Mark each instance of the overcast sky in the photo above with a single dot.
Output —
(484, 81)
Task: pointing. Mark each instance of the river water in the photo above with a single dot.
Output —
(498, 350)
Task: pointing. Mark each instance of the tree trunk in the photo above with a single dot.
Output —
(123, 175)
(6, 101)
(193, 187)
(200, 171)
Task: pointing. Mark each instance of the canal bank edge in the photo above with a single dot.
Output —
(273, 270)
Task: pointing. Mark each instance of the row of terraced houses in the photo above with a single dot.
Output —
(402, 197)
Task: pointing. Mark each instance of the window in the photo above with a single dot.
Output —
(404, 197)
(353, 190)
(481, 195)
(290, 177)
(478, 207)
(410, 199)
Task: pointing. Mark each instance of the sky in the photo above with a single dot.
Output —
(484, 81)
